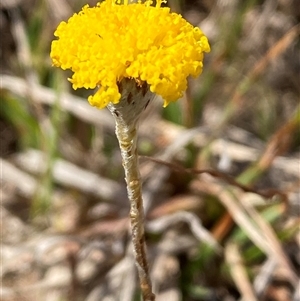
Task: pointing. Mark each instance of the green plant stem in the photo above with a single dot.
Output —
(134, 100)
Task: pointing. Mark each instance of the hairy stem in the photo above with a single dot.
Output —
(135, 99)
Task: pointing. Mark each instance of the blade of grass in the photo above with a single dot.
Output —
(238, 272)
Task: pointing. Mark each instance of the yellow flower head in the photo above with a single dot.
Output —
(109, 42)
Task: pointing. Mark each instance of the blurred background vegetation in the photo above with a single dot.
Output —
(221, 167)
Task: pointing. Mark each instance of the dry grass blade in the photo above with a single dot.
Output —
(237, 152)
(31, 77)
(154, 184)
(70, 175)
(121, 279)
(25, 184)
(165, 272)
(280, 142)
(271, 237)
(23, 48)
(70, 103)
(229, 199)
(182, 202)
(296, 296)
(239, 273)
(171, 294)
(275, 51)
(60, 9)
(264, 277)
(261, 65)
(268, 193)
(162, 223)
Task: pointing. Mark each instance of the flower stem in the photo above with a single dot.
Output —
(134, 100)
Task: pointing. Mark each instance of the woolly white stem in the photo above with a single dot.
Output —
(135, 98)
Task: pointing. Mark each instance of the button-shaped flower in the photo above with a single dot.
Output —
(104, 44)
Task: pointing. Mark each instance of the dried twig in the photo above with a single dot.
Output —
(268, 193)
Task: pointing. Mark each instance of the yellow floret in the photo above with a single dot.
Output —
(109, 42)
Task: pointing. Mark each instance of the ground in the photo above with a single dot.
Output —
(220, 167)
